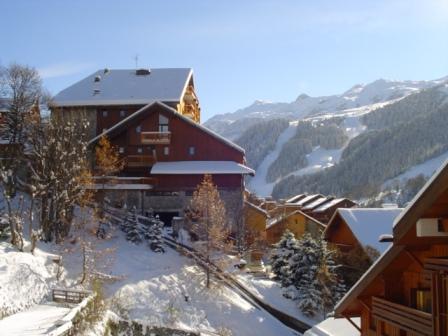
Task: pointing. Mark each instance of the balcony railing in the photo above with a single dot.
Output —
(156, 138)
(134, 161)
(405, 318)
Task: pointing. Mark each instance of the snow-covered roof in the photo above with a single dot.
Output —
(125, 87)
(335, 327)
(367, 224)
(307, 199)
(275, 220)
(295, 198)
(200, 167)
(328, 205)
(257, 208)
(168, 109)
(316, 203)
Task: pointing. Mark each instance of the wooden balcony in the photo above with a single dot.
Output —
(137, 161)
(402, 317)
(156, 138)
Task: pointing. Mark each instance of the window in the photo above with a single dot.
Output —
(104, 113)
(163, 123)
(166, 150)
(122, 113)
(139, 150)
(104, 130)
(121, 150)
(421, 299)
(191, 150)
(138, 129)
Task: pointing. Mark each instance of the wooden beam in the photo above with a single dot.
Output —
(365, 305)
(414, 258)
(352, 323)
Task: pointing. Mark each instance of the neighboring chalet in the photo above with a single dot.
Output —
(406, 291)
(356, 233)
(297, 222)
(152, 117)
(320, 207)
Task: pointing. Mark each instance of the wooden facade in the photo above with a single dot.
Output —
(406, 291)
(297, 222)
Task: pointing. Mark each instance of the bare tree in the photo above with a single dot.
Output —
(21, 87)
(208, 214)
(59, 173)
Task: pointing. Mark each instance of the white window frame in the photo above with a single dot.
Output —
(139, 150)
(105, 113)
(166, 150)
(138, 129)
(192, 150)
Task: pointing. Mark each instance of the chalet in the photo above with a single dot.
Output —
(296, 198)
(255, 219)
(297, 222)
(325, 211)
(356, 233)
(152, 118)
(405, 292)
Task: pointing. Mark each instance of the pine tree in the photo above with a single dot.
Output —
(315, 276)
(132, 227)
(281, 256)
(155, 235)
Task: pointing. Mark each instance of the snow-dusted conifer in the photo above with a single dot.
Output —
(155, 236)
(281, 256)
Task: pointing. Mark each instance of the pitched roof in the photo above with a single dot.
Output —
(200, 167)
(118, 126)
(257, 208)
(275, 220)
(330, 204)
(367, 224)
(125, 87)
(295, 198)
(308, 199)
(317, 202)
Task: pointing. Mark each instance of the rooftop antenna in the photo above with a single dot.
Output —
(136, 61)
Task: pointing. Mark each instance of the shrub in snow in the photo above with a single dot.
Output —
(281, 256)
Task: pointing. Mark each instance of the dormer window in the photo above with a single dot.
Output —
(138, 129)
(163, 124)
(105, 113)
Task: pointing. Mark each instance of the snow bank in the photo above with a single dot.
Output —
(24, 279)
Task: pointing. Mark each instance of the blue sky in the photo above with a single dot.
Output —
(240, 50)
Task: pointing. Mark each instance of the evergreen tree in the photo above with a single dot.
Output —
(281, 256)
(315, 276)
(155, 235)
(131, 227)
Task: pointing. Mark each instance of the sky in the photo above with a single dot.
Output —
(240, 51)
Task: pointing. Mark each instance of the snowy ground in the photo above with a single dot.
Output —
(25, 279)
(38, 320)
(168, 289)
(271, 292)
(335, 327)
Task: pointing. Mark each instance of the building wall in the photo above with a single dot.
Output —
(76, 114)
(297, 223)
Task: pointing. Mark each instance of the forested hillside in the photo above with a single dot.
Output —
(380, 154)
(327, 134)
(408, 108)
(260, 138)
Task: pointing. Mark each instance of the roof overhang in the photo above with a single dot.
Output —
(107, 102)
(200, 168)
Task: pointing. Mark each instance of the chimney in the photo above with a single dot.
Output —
(142, 72)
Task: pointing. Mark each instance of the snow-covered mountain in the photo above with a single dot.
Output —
(285, 155)
(232, 125)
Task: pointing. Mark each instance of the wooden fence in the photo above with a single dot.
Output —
(69, 295)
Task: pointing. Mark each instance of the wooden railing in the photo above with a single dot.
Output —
(154, 138)
(69, 295)
(140, 160)
(405, 318)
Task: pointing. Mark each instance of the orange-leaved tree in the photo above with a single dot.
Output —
(210, 225)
